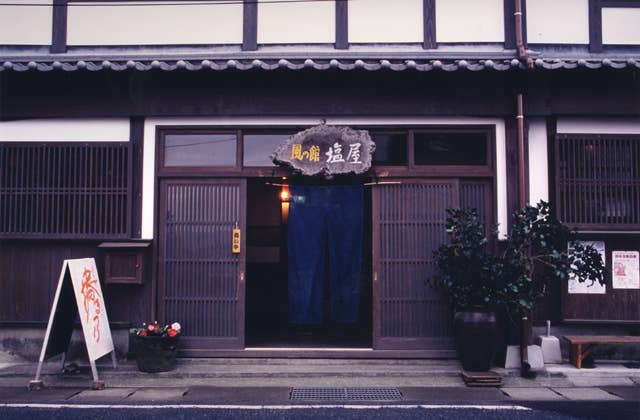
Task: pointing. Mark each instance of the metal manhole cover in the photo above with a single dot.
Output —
(346, 394)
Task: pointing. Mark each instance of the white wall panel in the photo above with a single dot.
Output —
(470, 21)
(538, 161)
(151, 126)
(295, 23)
(598, 126)
(386, 21)
(26, 25)
(59, 130)
(621, 26)
(147, 23)
(558, 21)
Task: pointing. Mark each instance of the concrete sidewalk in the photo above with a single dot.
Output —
(270, 381)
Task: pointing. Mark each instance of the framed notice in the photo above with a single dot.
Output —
(625, 273)
(588, 286)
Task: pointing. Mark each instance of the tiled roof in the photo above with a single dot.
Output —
(21, 64)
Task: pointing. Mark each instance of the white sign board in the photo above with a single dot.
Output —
(91, 307)
(78, 292)
(625, 270)
(588, 286)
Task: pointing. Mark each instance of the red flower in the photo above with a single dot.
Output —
(172, 332)
(143, 333)
(152, 327)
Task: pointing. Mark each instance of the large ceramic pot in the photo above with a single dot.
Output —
(475, 332)
(155, 354)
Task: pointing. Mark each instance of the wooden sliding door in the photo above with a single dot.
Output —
(201, 281)
(408, 224)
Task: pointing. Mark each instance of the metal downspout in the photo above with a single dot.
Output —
(525, 367)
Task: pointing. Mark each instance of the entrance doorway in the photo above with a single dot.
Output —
(308, 264)
(234, 300)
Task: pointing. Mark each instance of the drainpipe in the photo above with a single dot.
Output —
(525, 367)
(522, 52)
(524, 58)
(521, 173)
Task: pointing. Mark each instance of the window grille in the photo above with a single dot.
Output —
(598, 181)
(64, 190)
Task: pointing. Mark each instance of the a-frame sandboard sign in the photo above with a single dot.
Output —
(78, 292)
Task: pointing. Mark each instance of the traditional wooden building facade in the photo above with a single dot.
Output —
(140, 133)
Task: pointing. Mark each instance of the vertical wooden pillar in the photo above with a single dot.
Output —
(509, 25)
(136, 153)
(59, 27)
(429, 20)
(342, 25)
(511, 140)
(595, 26)
(250, 25)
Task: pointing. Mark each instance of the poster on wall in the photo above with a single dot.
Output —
(588, 287)
(625, 269)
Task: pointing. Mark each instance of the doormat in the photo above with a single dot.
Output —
(346, 394)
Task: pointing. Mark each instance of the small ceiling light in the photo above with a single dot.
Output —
(284, 194)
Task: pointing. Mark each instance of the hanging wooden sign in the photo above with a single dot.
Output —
(78, 292)
(235, 240)
(326, 150)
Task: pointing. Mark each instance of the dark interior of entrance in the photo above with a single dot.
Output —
(269, 287)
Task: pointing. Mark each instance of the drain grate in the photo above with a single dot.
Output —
(346, 394)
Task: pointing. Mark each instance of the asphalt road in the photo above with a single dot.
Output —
(564, 410)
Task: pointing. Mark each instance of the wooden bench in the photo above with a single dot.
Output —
(578, 353)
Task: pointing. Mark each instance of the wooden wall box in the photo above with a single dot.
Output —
(124, 262)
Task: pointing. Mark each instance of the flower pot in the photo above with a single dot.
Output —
(475, 334)
(155, 354)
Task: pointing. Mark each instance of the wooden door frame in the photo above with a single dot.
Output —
(211, 344)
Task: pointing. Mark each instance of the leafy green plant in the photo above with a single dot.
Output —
(535, 246)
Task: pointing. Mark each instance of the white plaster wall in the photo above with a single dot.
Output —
(538, 161)
(294, 23)
(598, 126)
(470, 20)
(26, 25)
(65, 130)
(557, 21)
(151, 126)
(621, 26)
(147, 23)
(385, 21)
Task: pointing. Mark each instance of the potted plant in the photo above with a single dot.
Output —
(156, 346)
(466, 270)
(480, 281)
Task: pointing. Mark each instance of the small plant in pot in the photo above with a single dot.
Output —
(480, 282)
(156, 346)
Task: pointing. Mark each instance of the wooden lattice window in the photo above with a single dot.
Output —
(64, 190)
(598, 181)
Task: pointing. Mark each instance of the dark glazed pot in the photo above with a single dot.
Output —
(156, 354)
(475, 334)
